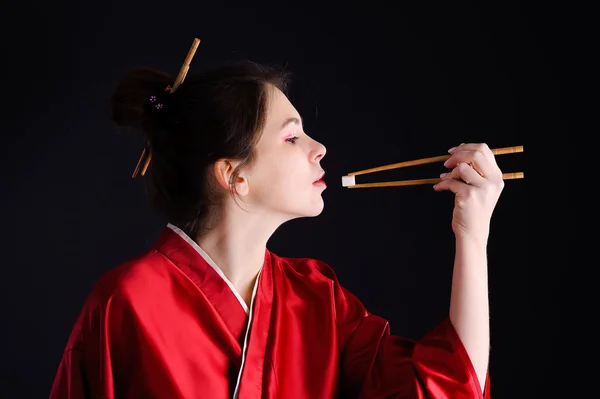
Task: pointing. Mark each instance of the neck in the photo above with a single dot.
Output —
(237, 244)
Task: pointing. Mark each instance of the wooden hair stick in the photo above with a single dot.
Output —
(146, 156)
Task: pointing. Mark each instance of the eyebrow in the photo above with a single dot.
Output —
(295, 120)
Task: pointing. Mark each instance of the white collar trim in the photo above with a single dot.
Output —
(212, 263)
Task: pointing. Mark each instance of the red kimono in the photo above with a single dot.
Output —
(169, 325)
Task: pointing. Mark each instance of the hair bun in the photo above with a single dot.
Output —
(133, 95)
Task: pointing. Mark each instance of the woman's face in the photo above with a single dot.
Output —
(286, 177)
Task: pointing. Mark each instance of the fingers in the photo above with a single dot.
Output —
(482, 147)
(465, 172)
(472, 165)
(456, 186)
(479, 156)
(461, 178)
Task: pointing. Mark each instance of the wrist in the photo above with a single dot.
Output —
(471, 243)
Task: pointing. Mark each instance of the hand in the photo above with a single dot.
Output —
(476, 180)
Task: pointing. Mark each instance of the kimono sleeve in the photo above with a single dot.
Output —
(376, 364)
(94, 353)
(69, 380)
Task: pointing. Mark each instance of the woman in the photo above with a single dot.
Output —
(210, 312)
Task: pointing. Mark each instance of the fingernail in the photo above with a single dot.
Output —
(442, 175)
(451, 150)
(447, 162)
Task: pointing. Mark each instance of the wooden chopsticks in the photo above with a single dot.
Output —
(349, 179)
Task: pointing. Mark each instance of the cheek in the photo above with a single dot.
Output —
(285, 165)
(283, 177)
(271, 174)
(282, 171)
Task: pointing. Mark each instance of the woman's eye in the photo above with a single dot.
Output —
(292, 139)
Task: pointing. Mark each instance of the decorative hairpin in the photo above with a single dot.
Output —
(146, 156)
(154, 100)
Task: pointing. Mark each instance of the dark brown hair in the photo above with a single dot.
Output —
(215, 114)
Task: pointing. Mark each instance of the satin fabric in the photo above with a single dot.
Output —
(167, 325)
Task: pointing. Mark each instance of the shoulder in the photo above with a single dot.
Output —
(305, 267)
(117, 294)
(145, 275)
(315, 276)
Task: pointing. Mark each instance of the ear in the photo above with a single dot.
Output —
(223, 170)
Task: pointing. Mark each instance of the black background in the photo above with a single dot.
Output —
(376, 83)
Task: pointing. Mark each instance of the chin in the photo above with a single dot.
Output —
(301, 209)
(314, 210)
(317, 209)
(314, 214)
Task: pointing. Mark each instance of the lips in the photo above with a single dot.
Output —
(319, 182)
(320, 178)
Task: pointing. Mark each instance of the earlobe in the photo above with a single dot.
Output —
(241, 184)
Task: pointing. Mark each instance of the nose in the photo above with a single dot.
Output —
(318, 152)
